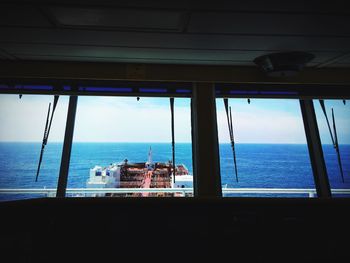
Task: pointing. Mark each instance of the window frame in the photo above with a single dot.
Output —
(203, 95)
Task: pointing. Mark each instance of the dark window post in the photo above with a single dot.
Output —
(67, 147)
(205, 146)
(315, 149)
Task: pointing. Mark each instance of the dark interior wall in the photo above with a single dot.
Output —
(170, 229)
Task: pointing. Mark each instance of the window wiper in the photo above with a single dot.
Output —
(230, 128)
(334, 138)
(46, 133)
(336, 146)
(325, 114)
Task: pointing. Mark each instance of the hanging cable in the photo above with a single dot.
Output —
(46, 133)
(230, 127)
(172, 135)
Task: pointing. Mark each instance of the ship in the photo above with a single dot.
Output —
(146, 175)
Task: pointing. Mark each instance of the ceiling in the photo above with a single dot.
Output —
(177, 32)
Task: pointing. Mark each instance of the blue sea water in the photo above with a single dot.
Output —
(259, 165)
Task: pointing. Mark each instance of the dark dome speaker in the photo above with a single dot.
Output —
(283, 64)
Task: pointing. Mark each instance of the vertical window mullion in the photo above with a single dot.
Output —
(206, 165)
(67, 147)
(315, 148)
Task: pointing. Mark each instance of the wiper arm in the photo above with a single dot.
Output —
(334, 138)
(46, 133)
(230, 127)
(336, 146)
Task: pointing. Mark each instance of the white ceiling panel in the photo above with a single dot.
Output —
(344, 59)
(141, 60)
(169, 40)
(270, 23)
(25, 16)
(336, 65)
(119, 53)
(122, 18)
(5, 55)
(184, 32)
(134, 60)
(314, 6)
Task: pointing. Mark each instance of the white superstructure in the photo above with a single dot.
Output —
(108, 177)
(183, 181)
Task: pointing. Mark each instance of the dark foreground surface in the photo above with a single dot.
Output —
(175, 230)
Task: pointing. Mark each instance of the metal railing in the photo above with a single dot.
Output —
(51, 192)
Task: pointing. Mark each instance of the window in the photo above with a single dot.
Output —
(338, 172)
(270, 146)
(21, 135)
(122, 147)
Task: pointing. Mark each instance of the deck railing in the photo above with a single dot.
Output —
(51, 192)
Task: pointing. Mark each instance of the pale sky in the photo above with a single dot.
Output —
(124, 119)
(279, 121)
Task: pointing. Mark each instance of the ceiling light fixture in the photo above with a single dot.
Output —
(284, 64)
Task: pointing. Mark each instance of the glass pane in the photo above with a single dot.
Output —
(21, 135)
(122, 147)
(341, 111)
(270, 146)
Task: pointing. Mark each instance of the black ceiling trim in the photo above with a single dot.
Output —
(273, 90)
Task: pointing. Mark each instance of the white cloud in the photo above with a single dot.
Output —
(98, 119)
(110, 119)
(262, 126)
(24, 120)
(123, 122)
(342, 120)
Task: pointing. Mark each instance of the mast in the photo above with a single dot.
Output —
(150, 155)
(172, 136)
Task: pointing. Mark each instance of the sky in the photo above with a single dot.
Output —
(124, 119)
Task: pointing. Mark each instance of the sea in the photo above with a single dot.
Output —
(258, 165)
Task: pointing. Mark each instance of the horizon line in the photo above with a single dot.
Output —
(164, 142)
